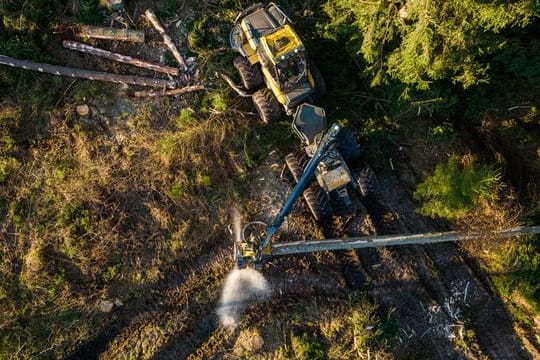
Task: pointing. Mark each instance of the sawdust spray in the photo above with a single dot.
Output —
(241, 288)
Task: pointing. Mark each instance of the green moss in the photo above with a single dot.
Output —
(111, 272)
(178, 191)
(8, 165)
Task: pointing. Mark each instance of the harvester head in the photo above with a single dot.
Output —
(247, 242)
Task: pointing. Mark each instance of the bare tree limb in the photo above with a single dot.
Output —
(166, 38)
(240, 91)
(77, 46)
(174, 92)
(86, 74)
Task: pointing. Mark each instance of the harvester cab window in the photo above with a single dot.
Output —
(267, 63)
(292, 70)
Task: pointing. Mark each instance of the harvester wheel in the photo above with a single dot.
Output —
(318, 203)
(367, 181)
(348, 147)
(250, 74)
(320, 84)
(296, 163)
(267, 105)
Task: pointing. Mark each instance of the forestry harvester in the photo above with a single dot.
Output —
(328, 168)
(275, 66)
(273, 61)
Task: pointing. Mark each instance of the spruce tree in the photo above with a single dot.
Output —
(419, 42)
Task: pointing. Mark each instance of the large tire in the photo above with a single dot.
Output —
(320, 84)
(296, 163)
(250, 74)
(267, 105)
(367, 181)
(318, 203)
(349, 148)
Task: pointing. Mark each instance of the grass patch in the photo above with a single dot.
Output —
(518, 269)
(307, 347)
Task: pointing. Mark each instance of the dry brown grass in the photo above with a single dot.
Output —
(100, 207)
(489, 217)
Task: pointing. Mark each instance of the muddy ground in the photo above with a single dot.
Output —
(441, 304)
(435, 298)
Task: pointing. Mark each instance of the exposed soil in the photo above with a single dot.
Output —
(440, 307)
(441, 304)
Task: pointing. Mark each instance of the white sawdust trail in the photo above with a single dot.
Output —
(241, 288)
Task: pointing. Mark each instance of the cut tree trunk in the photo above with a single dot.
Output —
(97, 32)
(77, 46)
(166, 38)
(86, 74)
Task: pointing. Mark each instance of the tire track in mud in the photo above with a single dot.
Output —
(393, 282)
(412, 285)
(465, 297)
(147, 321)
(177, 310)
(290, 288)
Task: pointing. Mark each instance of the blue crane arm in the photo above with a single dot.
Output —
(328, 139)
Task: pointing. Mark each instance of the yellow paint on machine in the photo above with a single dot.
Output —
(274, 86)
(281, 42)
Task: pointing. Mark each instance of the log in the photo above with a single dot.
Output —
(166, 38)
(310, 246)
(77, 46)
(86, 74)
(97, 32)
(173, 92)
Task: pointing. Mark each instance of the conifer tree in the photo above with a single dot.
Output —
(419, 42)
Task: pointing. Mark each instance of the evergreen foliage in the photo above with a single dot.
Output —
(453, 190)
(434, 44)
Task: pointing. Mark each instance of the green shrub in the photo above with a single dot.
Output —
(454, 190)
(306, 347)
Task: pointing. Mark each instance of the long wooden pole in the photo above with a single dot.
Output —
(84, 48)
(166, 38)
(86, 74)
(97, 32)
(173, 92)
(300, 247)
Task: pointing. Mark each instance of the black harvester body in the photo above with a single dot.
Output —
(332, 157)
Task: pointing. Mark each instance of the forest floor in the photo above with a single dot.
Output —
(158, 184)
